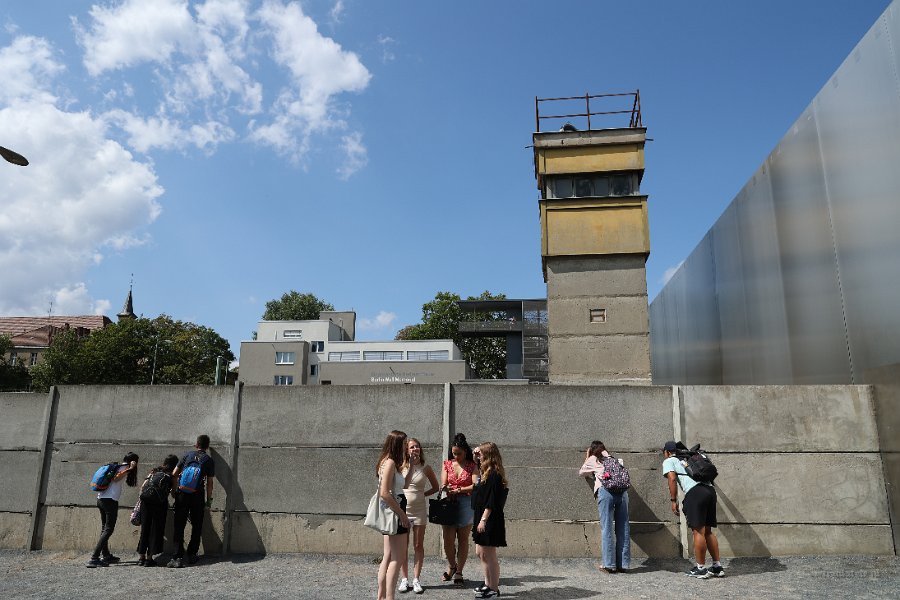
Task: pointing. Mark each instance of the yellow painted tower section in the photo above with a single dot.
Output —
(599, 223)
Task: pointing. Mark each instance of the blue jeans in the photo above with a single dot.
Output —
(613, 507)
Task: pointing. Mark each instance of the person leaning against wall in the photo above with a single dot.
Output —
(699, 507)
(420, 476)
(108, 503)
(612, 508)
(191, 504)
(456, 479)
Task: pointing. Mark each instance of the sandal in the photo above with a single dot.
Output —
(448, 576)
(458, 578)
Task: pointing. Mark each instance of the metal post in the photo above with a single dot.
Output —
(218, 370)
(155, 349)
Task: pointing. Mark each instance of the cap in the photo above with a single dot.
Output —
(669, 446)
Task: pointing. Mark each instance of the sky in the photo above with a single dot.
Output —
(222, 152)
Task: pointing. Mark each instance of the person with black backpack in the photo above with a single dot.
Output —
(693, 472)
(154, 510)
(610, 481)
(193, 480)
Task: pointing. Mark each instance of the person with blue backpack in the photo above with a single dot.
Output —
(107, 482)
(610, 481)
(193, 485)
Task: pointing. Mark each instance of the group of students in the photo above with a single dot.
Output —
(161, 483)
(474, 478)
(698, 505)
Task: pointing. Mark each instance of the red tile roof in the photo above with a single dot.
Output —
(13, 326)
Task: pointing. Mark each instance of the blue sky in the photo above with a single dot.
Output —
(372, 153)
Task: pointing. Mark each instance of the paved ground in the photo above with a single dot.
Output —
(307, 576)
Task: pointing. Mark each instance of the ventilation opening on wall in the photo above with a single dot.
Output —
(598, 315)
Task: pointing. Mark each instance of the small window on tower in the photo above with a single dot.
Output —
(598, 315)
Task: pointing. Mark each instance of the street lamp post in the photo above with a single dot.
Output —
(155, 349)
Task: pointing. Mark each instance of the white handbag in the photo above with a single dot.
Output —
(379, 515)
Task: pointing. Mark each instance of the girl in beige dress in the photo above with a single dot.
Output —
(422, 482)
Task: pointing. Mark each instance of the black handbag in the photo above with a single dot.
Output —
(442, 510)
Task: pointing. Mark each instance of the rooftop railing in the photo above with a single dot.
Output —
(634, 112)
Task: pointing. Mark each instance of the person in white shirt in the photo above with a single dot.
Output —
(108, 503)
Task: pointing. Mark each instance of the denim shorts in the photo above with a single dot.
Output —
(465, 514)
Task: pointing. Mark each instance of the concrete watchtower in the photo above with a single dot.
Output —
(595, 240)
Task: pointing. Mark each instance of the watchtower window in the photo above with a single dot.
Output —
(590, 186)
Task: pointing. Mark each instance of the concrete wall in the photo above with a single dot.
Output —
(802, 470)
(886, 382)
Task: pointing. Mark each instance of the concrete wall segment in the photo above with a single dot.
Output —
(629, 419)
(625, 315)
(21, 421)
(348, 416)
(584, 275)
(19, 470)
(827, 418)
(164, 414)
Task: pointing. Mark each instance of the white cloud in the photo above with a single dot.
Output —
(387, 43)
(670, 272)
(382, 320)
(133, 32)
(82, 191)
(204, 56)
(319, 70)
(102, 307)
(355, 155)
(337, 12)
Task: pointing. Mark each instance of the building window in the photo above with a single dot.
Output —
(292, 333)
(313, 370)
(383, 355)
(428, 355)
(317, 346)
(343, 356)
(13, 358)
(284, 358)
(284, 380)
(598, 315)
(33, 358)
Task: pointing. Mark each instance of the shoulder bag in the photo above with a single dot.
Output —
(379, 515)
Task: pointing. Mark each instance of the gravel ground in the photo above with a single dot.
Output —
(307, 576)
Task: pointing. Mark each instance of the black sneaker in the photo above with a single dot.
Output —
(699, 573)
(96, 562)
(481, 588)
(717, 571)
(176, 563)
(111, 559)
(150, 563)
(192, 559)
(487, 593)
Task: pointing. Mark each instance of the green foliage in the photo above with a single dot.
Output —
(13, 378)
(124, 352)
(440, 321)
(294, 306)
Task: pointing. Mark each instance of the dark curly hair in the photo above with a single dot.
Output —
(459, 441)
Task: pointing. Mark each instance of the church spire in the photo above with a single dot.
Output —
(128, 308)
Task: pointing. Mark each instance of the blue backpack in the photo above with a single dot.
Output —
(191, 477)
(103, 477)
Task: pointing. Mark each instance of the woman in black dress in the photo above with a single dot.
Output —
(488, 499)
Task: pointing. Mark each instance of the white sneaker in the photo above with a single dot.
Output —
(404, 585)
(417, 587)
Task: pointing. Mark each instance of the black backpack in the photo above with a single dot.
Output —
(156, 487)
(697, 464)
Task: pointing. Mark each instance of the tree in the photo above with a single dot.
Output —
(13, 378)
(125, 353)
(440, 321)
(294, 306)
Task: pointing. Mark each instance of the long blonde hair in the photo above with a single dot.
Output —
(491, 461)
(394, 447)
